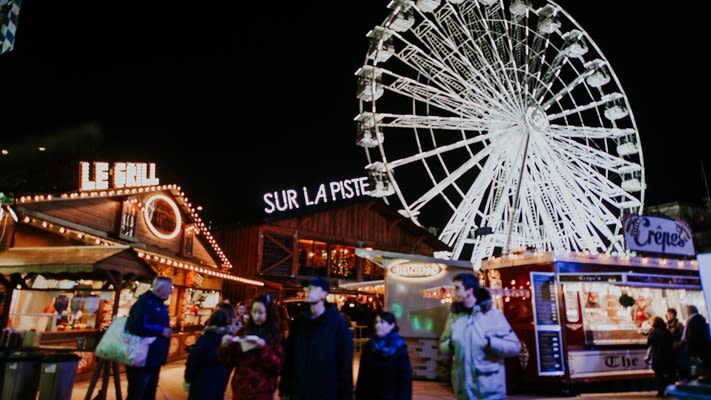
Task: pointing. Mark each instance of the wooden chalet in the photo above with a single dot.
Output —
(285, 249)
(81, 258)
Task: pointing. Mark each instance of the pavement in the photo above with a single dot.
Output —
(170, 387)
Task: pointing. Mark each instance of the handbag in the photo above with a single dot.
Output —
(121, 346)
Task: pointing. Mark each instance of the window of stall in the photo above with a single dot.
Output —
(51, 305)
(313, 257)
(343, 262)
(371, 271)
(129, 209)
(69, 305)
(614, 313)
(198, 305)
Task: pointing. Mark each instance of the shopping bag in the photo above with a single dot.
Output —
(119, 345)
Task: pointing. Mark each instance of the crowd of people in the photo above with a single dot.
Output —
(312, 356)
(676, 350)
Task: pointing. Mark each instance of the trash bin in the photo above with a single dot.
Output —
(3, 358)
(57, 374)
(21, 375)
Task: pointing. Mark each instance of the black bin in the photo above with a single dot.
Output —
(21, 375)
(3, 360)
(57, 374)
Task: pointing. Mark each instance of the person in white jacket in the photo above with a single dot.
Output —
(478, 337)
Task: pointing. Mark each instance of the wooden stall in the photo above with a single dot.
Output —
(283, 249)
(59, 247)
(582, 318)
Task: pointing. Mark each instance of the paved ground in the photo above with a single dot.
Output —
(171, 380)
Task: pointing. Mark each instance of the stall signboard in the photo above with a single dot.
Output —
(658, 235)
(101, 175)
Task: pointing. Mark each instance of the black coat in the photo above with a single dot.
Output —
(148, 317)
(662, 343)
(697, 338)
(319, 358)
(382, 377)
(206, 374)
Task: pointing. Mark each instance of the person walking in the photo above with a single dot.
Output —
(385, 372)
(676, 329)
(319, 350)
(478, 338)
(256, 352)
(206, 375)
(661, 347)
(148, 317)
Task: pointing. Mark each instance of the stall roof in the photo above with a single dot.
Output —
(74, 260)
(387, 258)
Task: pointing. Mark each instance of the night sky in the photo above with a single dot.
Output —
(203, 89)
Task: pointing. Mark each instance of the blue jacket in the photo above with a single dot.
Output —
(319, 358)
(147, 317)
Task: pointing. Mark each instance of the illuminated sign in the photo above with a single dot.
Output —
(291, 199)
(101, 175)
(162, 216)
(412, 270)
(658, 235)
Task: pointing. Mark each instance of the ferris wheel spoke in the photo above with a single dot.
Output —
(467, 213)
(450, 79)
(471, 124)
(423, 155)
(433, 96)
(448, 181)
(569, 204)
(586, 155)
(594, 182)
(446, 56)
(607, 99)
(478, 67)
(590, 132)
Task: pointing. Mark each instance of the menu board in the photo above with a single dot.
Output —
(550, 354)
(545, 298)
(549, 343)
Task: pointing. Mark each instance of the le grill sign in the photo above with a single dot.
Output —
(658, 235)
(101, 175)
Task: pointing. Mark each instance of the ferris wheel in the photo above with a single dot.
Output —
(502, 123)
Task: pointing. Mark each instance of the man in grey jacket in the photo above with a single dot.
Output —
(478, 337)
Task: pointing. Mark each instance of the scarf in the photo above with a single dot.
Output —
(388, 344)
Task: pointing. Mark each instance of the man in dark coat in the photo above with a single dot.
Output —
(149, 317)
(319, 351)
(696, 337)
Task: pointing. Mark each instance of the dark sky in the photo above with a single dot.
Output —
(234, 100)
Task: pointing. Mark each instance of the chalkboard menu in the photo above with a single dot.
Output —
(545, 298)
(549, 346)
(550, 354)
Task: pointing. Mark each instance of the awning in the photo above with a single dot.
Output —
(386, 259)
(90, 261)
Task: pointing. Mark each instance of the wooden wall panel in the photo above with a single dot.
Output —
(99, 214)
(240, 247)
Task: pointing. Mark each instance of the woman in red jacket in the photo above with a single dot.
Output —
(256, 352)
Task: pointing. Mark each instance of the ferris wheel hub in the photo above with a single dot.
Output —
(536, 119)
